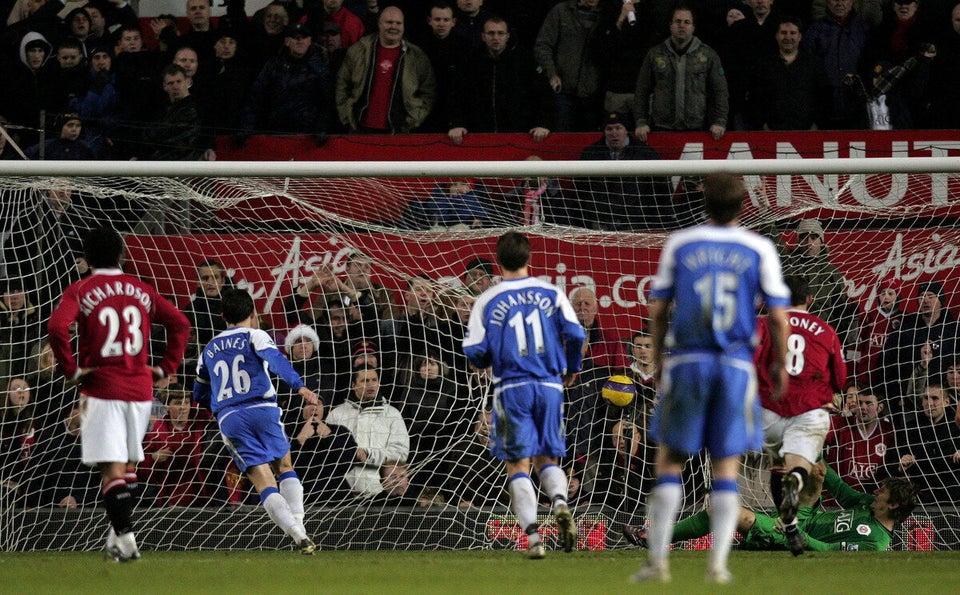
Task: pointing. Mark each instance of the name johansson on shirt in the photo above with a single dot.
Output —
(503, 304)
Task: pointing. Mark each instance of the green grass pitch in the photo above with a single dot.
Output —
(487, 572)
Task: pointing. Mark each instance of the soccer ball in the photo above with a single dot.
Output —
(619, 390)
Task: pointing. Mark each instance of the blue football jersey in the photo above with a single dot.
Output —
(525, 329)
(716, 276)
(234, 368)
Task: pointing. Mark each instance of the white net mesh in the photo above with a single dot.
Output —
(377, 270)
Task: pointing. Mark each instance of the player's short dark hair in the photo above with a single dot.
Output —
(513, 251)
(723, 196)
(642, 331)
(237, 305)
(103, 247)
(799, 288)
(904, 493)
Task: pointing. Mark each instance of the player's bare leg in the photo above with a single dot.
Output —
(553, 482)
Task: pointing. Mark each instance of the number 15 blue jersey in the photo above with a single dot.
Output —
(525, 329)
(715, 275)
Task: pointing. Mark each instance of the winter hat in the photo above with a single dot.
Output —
(300, 331)
(811, 227)
(934, 287)
(617, 118)
(361, 347)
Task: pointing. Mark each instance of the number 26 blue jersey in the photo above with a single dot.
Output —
(234, 367)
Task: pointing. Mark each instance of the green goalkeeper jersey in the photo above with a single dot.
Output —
(853, 528)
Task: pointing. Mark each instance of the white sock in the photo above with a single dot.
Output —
(279, 512)
(553, 482)
(663, 506)
(723, 524)
(523, 502)
(292, 491)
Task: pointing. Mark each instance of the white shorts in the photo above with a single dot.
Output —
(801, 435)
(112, 431)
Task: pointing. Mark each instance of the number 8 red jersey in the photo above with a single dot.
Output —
(814, 361)
(114, 313)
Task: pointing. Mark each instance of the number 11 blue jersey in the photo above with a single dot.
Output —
(525, 329)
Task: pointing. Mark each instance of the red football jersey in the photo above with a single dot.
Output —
(873, 334)
(180, 476)
(814, 362)
(113, 312)
(856, 456)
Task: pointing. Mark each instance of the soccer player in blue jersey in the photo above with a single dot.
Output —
(712, 275)
(233, 382)
(526, 330)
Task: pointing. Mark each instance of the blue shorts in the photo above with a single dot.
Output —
(254, 435)
(709, 400)
(527, 420)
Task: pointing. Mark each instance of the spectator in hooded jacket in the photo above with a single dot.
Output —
(35, 77)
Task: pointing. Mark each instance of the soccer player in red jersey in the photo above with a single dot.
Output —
(796, 425)
(113, 312)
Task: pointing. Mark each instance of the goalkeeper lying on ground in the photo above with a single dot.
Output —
(866, 522)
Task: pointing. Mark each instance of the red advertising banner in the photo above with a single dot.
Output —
(825, 196)
(270, 266)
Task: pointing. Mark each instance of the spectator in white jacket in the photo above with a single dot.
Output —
(377, 427)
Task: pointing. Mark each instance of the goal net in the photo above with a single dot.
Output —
(369, 281)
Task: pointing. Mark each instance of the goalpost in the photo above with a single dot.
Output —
(272, 225)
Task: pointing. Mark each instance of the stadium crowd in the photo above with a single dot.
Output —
(101, 82)
(401, 420)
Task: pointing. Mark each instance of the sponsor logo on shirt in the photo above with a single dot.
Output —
(863, 529)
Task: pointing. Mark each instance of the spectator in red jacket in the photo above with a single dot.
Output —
(173, 449)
